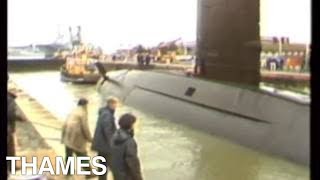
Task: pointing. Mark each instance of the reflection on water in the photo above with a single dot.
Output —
(167, 150)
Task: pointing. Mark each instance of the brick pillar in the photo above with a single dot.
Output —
(228, 40)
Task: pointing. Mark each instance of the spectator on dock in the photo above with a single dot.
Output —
(148, 59)
(105, 128)
(114, 58)
(75, 131)
(14, 113)
(140, 59)
(125, 161)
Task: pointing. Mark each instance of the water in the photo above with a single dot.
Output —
(167, 150)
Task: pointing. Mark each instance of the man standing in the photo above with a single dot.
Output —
(14, 114)
(140, 59)
(148, 59)
(104, 130)
(125, 161)
(75, 131)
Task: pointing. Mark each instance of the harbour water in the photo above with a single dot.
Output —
(167, 150)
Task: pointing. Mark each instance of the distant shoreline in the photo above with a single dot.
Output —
(27, 57)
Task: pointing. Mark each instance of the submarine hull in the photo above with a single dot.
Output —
(253, 118)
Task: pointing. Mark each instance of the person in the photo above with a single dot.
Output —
(14, 113)
(104, 130)
(140, 59)
(114, 58)
(125, 161)
(143, 59)
(75, 131)
(148, 59)
(197, 66)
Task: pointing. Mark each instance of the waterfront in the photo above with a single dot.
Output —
(167, 150)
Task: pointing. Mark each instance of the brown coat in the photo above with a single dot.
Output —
(75, 132)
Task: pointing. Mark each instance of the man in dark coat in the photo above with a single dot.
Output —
(14, 114)
(105, 128)
(148, 59)
(140, 59)
(125, 161)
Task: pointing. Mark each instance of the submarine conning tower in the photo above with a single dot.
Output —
(228, 41)
(228, 50)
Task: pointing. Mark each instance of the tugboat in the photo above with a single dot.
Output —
(79, 68)
(78, 74)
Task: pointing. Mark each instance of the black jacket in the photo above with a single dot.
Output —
(104, 130)
(11, 127)
(125, 162)
(11, 112)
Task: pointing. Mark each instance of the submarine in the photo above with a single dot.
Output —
(265, 121)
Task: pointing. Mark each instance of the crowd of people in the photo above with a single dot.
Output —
(116, 145)
(276, 62)
(144, 59)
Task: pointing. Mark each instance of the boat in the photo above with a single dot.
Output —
(78, 70)
(265, 121)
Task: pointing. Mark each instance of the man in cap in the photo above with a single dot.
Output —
(75, 132)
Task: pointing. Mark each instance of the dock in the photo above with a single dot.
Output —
(40, 136)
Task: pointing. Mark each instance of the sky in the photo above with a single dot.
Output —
(291, 18)
(115, 23)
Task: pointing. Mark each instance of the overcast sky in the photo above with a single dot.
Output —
(110, 23)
